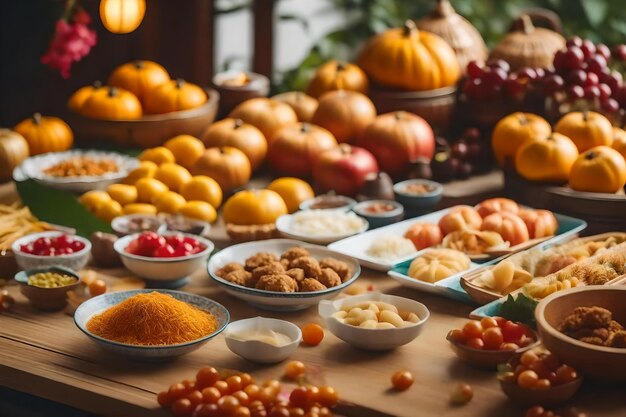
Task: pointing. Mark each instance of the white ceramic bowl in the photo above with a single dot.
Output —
(374, 339)
(75, 261)
(163, 272)
(283, 224)
(261, 352)
(34, 168)
(273, 300)
(99, 304)
(120, 223)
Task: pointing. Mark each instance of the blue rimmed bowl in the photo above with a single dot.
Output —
(274, 300)
(415, 202)
(163, 272)
(101, 303)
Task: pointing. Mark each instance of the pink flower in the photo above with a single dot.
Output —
(71, 42)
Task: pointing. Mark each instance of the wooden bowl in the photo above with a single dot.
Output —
(486, 359)
(150, 130)
(597, 362)
(552, 396)
(230, 96)
(435, 106)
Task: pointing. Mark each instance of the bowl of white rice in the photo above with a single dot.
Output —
(321, 226)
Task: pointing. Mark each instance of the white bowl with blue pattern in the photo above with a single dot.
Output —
(101, 303)
(274, 300)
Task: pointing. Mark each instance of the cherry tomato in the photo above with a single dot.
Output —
(206, 377)
(267, 396)
(565, 374)
(512, 332)
(328, 396)
(493, 338)
(509, 346)
(475, 343)
(312, 334)
(189, 385)
(234, 383)
(97, 287)
(279, 412)
(241, 412)
(165, 251)
(195, 397)
(473, 329)
(294, 369)
(296, 412)
(223, 387)
(227, 404)
(543, 383)
(252, 390)
(462, 394)
(246, 379)
(298, 397)
(540, 367)
(312, 396)
(488, 322)
(402, 380)
(177, 391)
(273, 384)
(206, 410)
(242, 397)
(528, 357)
(164, 399)
(527, 379)
(182, 407)
(458, 336)
(536, 411)
(211, 395)
(499, 320)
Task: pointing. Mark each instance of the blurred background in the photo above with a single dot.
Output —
(195, 38)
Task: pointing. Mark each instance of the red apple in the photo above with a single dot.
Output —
(397, 139)
(343, 169)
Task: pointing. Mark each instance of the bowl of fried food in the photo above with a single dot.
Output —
(286, 275)
(585, 327)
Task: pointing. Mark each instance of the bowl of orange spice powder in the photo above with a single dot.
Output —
(151, 325)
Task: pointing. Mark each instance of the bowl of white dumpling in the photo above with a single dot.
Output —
(374, 321)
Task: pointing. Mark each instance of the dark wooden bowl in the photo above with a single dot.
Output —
(150, 130)
(230, 96)
(435, 106)
(598, 362)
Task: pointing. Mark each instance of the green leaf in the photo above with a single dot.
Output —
(595, 10)
(520, 308)
(59, 207)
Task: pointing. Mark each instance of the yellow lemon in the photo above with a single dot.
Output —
(94, 199)
(149, 190)
(293, 190)
(158, 155)
(139, 208)
(108, 210)
(202, 188)
(200, 210)
(186, 149)
(123, 193)
(170, 202)
(172, 175)
(146, 169)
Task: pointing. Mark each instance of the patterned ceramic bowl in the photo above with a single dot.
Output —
(103, 302)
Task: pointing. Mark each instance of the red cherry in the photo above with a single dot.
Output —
(475, 70)
(175, 240)
(597, 64)
(41, 244)
(499, 63)
(48, 252)
(610, 105)
(471, 134)
(494, 77)
(165, 251)
(515, 86)
(575, 92)
(588, 48)
(604, 51)
(574, 41)
(527, 72)
(571, 58)
(591, 92)
(619, 52)
(541, 72)
(552, 83)
(149, 242)
(133, 247)
(576, 77)
(77, 245)
(605, 91)
(614, 79)
(592, 79)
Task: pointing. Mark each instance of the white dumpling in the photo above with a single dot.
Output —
(437, 264)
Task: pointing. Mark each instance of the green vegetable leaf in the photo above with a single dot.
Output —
(59, 207)
(520, 308)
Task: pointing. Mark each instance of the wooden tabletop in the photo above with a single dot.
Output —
(44, 354)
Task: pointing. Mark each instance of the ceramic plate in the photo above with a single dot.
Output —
(34, 167)
(283, 224)
(273, 300)
(357, 246)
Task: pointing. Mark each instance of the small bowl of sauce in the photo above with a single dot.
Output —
(380, 212)
(186, 225)
(263, 340)
(137, 223)
(329, 202)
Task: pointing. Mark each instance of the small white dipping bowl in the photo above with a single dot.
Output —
(261, 352)
(163, 272)
(74, 261)
(373, 339)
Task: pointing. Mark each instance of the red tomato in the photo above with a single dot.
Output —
(565, 374)
(458, 335)
(475, 343)
(509, 346)
(512, 332)
(488, 322)
(493, 338)
(473, 329)
(165, 251)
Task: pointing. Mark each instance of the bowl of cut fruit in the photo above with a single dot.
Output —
(538, 377)
(491, 341)
(48, 249)
(163, 260)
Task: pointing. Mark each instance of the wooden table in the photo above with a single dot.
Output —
(44, 354)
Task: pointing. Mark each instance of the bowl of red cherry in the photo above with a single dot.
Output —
(163, 260)
(491, 341)
(48, 249)
(538, 377)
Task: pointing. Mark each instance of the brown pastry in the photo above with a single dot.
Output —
(329, 278)
(341, 268)
(228, 268)
(239, 277)
(260, 259)
(310, 284)
(309, 265)
(277, 282)
(296, 273)
(294, 253)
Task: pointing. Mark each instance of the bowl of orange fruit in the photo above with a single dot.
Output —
(161, 184)
(141, 105)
